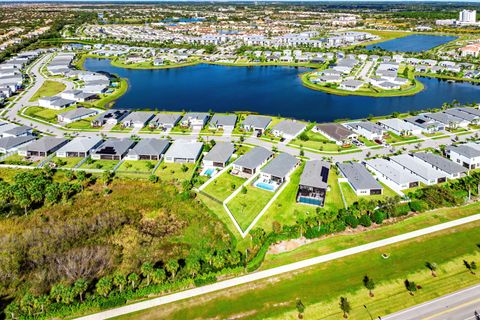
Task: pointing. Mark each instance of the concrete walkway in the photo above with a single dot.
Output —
(274, 271)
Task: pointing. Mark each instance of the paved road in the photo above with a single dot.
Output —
(460, 305)
(274, 271)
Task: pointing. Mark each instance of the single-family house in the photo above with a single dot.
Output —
(76, 115)
(279, 168)
(165, 120)
(367, 129)
(223, 122)
(466, 155)
(111, 117)
(426, 125)
(219, 155)
(393, 176)
(11, 144)
(55, 102)
(195, 120)
(448, 120)
(252, 161)
(183, 151)
(77, 95)
(399, 127)
(13, 130)
(256, 123)
(424, 172)
(466, 116)
(137, 119)
(313, 185)
(79, 147)
(360, 179)
(451, 169)
(336, 132)
(351, 85)
(42, 147)
(148, 149)
(112, 149)
(288, 129)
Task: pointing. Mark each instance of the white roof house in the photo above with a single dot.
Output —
(182, 151)
(137, 119)
(451, 169)
(426, 174)
(76, 115)
(400, 127)
(288, 129)
(393, 176)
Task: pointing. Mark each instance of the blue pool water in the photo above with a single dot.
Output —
(413, 43)
(209, 172)
(265, 186)
(309, 201)
(267, 90)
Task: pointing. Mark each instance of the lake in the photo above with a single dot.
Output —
(412, 43)
(266, 90)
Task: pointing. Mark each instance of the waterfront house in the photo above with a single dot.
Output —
(55, 102)
(11, 144)
(251, 162)
(288, 129)
(219, 155)
(424, 172)
(360, 179)
(426, 125)
(223, 122)
(399, 127)
(464, 154)
(165, 120)
(42, 147)
(369, 130)
(111, 117)
(183, 151)
(461, 114)
(148, 149)
(76, 115)
(279, 168)
(137, 119)
(112, 149)
(258, 124)
(313, 185)
(77, 95)
(195, 120)
(448, 120)
(452, 170)
(336, 132)
(79, 147)
(393, 176)
(351, 85)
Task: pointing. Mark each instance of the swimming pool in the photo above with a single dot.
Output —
(208, 172)
(265, 186)
(306, 200)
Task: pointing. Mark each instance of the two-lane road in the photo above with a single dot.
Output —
(460, 305)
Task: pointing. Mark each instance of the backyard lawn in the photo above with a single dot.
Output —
(99, 164)
(140, 166)
(175, 171)
(68, 162)
(246, 206)
(45, 114)
(16, 159)
(49, 88)
(318, 142)
(322, 285)
(333, 200)
(223, 186)
(351, 197)
(81, 124)
(395, 138)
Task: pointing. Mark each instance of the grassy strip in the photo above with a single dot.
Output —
(48, 89)
(319, 287)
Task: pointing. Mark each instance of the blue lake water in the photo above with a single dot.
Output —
(266, 90)
(413, 43)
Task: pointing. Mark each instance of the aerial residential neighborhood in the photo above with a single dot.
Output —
(226, 160)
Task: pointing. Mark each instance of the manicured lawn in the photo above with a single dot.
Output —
(333, 200)
(68, 162)
(394, 138)
(351, 197)
(319, 142)
(175, 171)
(320, 287)
(81, 124)
(16, 159)
(45, 114)
(141, 166)
(223, 186)
(246, 206)
(49, 88)
(99, 164)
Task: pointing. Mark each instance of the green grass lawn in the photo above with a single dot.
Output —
(319, 142)
(45, 114)
(81, 124)
(333, 200)
(246, 206)
(99, 164)
(68, 162)
(49, 88)
(175, 171)
(395, 138)
(140, 166)
(16, 159)
(351, 197)
(223, 186)
(319, 287)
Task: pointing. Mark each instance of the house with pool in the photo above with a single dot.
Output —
(217, 157)
(251, 162)
(313, 185)
(276, 172)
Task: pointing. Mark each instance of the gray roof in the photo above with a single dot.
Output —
(254, 158)
(112, 114)
(166, 118)
(12, 142)
(77, 113)
(150, 146)
(315, 174)
(423, 122)
(352, 83)
(221, 152)
(196, 115)
(184, 149)
(473, 111)
(464, 150)
(138, 117)
(224, 120)
(289, 127)
(389, 170)
(443, 118)
(281, 165)
(335, 131)
(45, 144)
(114, 146)
(459, 113)
(81, 144)
(358, 176)
(368, 126)
(440, 162)
(417, 167)
(18, 130)
(257, 121)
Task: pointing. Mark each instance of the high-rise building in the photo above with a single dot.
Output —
(468, 16)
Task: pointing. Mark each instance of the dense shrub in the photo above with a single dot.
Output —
(378, 216)
(351, 221)
(402, 209)
(365, 221)
(418, 206)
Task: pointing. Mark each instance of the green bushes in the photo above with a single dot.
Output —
(418, 206)
(378, 217)
(365, 221)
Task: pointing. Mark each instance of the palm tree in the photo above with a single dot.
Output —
(104, 286)
(158, 276)
(119, 281)
(369, 284)
(147, 270)
(345, 306)
(80, 287)
(300, 308)
(133, 279)
(432, 266)
(410, 286)
(172, 266)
